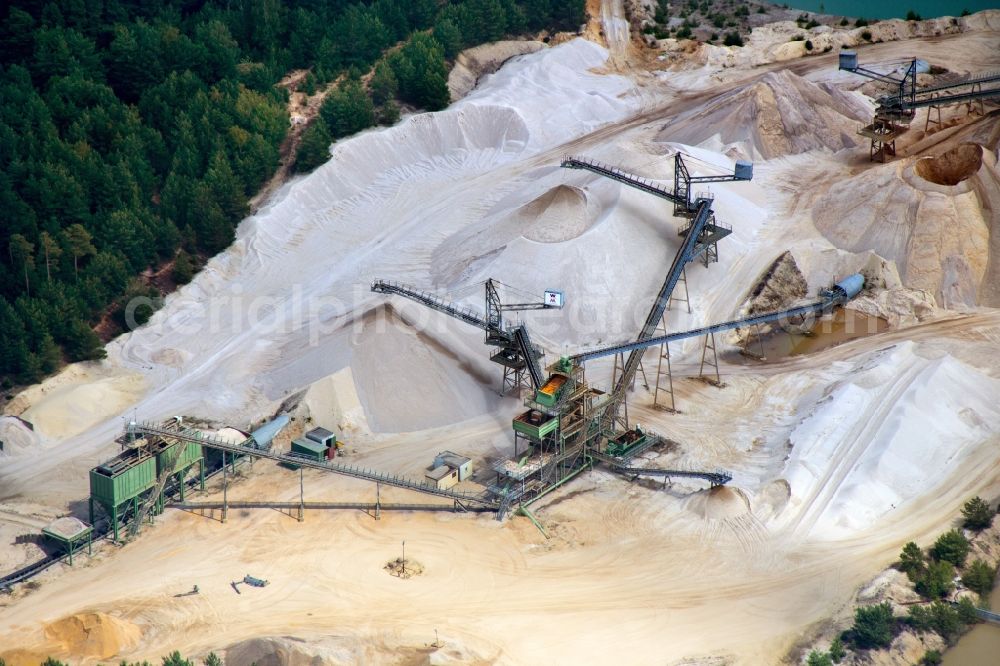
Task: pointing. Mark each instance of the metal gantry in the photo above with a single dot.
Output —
(895, 111)
(515, 353)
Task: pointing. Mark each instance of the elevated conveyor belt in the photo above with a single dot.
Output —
(530, 356)
(716, 478)
(468, 315)
(625, 178)
(141, 429)
(685, 254)
(638, 346)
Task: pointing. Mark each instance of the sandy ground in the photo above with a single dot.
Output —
(838, 457)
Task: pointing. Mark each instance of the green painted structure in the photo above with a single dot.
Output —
(309, 448)
(535, 424)
(70, 542)
(134, 472)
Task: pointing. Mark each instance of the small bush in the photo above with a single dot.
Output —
(931, 658)
(979, 577)
(912, 16)
(809, 45)
(812, 24)
(977, 514)
(965, 12)
(936, 581)
(714, 37)
(827, 48)
(837, 651)
(867, 36)
(951, 547)
(844, 21)
(761, 10)
(683, 32)
(873, 626)
(733, 39)
(861, 22)
(817, 658)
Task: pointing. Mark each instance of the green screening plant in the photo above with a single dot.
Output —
(936, 581)
(912, 561)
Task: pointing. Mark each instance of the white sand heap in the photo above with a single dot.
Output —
(899, 423)
(780, 114)
(16, 436)
(938, 234)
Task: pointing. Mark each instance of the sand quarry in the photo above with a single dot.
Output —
(838, 456)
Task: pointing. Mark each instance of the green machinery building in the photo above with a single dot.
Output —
(121, 484)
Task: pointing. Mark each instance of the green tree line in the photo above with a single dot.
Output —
(132, 134)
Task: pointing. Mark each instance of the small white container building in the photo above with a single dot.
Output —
(448, 469)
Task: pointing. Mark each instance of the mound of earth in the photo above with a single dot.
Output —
(92, 635)
(781, 284)
(15, 436)
(558, 215)
(938, 235)
(720, 503)
(780, 114)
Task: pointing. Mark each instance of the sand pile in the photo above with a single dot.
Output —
(938, 235)
(780, 114)
(79, 397)
(92, 635)
(558, 215)
(720, 503)
(479, 61)
(899, 423)
(16, 436)
(781, 284)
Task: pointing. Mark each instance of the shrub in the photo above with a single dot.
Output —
(951, 547)
(912, 562)
(733, 39)
(683, 32)
(817, 658)
(867, 36)
(965, 12)
(979, 577)
(837, 651)
(861, 22)
(912, 16)
(809, 45)
(812, 24)
(977, 514)
(183, 268)
(714, 37)
(935, 583)
(844, 21)
(761, 10)
(931, 658)
(873, 626)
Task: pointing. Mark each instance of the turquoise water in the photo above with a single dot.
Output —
(895, 9)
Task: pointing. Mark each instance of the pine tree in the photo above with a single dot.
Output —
(314, 148)
(977, 514)
(911, 561)
(951, 547)
(22, 256)
(383, 83)
(348, 110)
(978, 577)
(77, 240)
